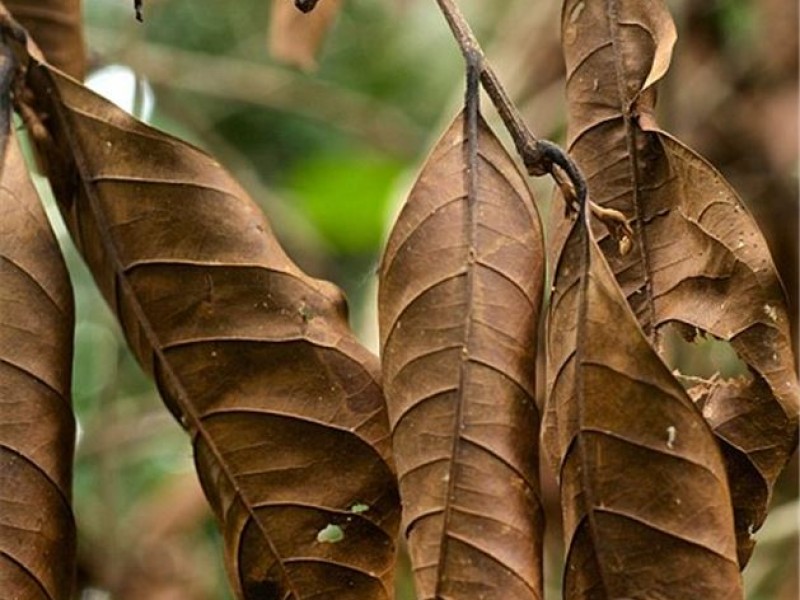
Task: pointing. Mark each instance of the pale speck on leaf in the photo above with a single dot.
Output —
(330, 534)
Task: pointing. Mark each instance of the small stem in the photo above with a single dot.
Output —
(539, 156)
(472, 109)
(472, 98)
(473, 54)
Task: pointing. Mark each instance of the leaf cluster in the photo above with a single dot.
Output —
(306, 445)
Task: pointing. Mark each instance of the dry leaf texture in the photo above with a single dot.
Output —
(459, 302)
(37, 427)
(296, 37)
(56, 27)
(254, 357)
(644, 492)
(699, 258)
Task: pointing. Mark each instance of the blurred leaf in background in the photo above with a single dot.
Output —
(346, 198)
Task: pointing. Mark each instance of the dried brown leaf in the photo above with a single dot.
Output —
(56, 27)
(460, 293)
(37, 427)
(254, 357)
(738, 409)
(644, 492)
(296, 37)
(699, 258)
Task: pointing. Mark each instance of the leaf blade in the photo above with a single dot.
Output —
(460, 287)
(244, 348)
(699, 258)
(37, 426)
(644, 490)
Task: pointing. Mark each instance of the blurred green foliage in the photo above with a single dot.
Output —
(334, 193)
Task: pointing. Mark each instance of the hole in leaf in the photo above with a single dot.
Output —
(125, 88)
(696, 354)
(359, 508)
(95, 594)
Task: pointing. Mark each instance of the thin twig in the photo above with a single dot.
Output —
(539, 156)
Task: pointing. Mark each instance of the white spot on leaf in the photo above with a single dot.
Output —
(672, 434)
(771, 312)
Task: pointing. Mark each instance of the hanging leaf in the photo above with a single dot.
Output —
(738, 409)
(460, 292)
(296, 37)
(56, 26)
(37, 427)
(254, 357)
(699, 259)
(644, 492)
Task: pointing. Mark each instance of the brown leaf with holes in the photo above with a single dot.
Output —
(37, 427)
(56, 27)
(296, 37)
(254, 357)
(644, 492)
(459, 301)
(699, 258)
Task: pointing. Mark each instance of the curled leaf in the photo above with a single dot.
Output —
(643, 485)
(698, 258)
(738, 410)
(37, 427)
(254, 357)
(459, 301)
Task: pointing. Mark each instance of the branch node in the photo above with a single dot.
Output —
(544, 157)
(474, 59)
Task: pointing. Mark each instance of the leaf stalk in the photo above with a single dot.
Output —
(540, 157)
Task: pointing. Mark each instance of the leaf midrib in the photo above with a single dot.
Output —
(470, 149)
